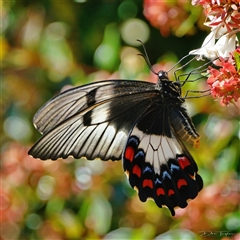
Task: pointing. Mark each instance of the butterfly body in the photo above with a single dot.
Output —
(142, 123)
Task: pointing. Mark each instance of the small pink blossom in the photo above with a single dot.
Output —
(221, 12)
(225, 81)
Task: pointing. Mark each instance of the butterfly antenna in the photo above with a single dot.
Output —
(146, 57)
(180, 61)
(191, 55)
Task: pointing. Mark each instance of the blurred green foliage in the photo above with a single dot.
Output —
(47, 46)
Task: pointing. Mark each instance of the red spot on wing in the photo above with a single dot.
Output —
(170, 192)
(183, 162)
(160, 191)
(148, 183)
(129, 153)
(181, 182)
(137, 170)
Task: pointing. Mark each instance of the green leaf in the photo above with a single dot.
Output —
(237, 60)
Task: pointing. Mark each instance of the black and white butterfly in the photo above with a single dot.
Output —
(142, 123)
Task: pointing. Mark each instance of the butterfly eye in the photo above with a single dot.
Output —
(162, 75)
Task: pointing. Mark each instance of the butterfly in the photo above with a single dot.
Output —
(144, 124)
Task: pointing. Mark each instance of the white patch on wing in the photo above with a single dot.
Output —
(149, 152)
(144, 142)
(83, 138)
(106, 139)
(159, 149)
(116, 148)
(138, 133)
(168, 147)
(73, 141)
(156, 162)
(155, 141)
(102, 90)
(161, 157)
(100, 113)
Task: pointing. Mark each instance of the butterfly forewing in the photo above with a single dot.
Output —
(78, 99)
(99, 128)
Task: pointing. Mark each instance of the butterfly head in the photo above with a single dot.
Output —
(162, 75)
(169, 89)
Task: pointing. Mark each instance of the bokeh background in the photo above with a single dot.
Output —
(48, 46)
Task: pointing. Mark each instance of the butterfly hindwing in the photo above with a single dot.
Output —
(158, 164)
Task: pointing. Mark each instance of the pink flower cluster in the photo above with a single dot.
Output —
(225, 82)
(224, 21)
(221, 12)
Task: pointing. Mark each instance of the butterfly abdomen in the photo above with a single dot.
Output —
(183, 126)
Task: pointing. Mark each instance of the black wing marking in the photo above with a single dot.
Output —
(158, 164)
(78, 99)
(95, 130)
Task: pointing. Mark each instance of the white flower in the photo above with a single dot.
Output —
(212, 50)
(208, 43)
(225, 45)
